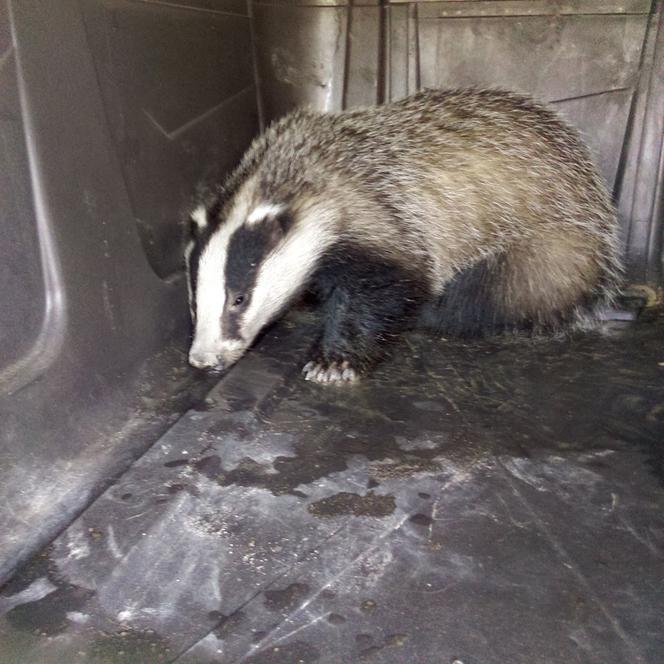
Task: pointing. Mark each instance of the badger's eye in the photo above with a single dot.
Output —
(238, 300)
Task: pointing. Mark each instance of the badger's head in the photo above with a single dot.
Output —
(243, 271)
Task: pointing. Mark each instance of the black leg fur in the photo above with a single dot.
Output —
(467, 308)
(367, 301)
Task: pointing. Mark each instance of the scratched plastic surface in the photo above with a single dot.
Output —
(486, 502)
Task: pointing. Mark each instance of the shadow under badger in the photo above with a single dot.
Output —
(471, 211)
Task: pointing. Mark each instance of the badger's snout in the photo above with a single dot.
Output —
(218, 358)
(206, 360)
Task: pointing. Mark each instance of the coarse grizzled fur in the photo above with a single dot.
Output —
(471, 211)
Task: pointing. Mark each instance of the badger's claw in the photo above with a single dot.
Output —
(333, 372)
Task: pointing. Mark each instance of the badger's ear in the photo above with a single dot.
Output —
(279, 225)
(198, 222)
(275, 220)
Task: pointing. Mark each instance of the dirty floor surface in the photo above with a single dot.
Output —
(477, 503)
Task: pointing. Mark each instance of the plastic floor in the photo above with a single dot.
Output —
(474, 502)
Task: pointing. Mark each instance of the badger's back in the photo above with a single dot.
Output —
(491, 195)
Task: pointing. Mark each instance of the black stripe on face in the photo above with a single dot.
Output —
(248, 247)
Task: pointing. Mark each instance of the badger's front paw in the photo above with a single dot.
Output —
(330, 372)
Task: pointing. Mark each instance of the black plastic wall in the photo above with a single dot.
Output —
(178, 90)
(112, 113)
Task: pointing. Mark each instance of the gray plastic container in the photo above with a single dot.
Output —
(113, 112)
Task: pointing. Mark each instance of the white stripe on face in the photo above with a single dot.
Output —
(283, 273)
(210, 294)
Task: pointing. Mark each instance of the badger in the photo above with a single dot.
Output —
(470, 211)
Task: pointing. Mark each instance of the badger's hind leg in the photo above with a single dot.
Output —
(468, 306)
(365, 307)
(543, 287)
